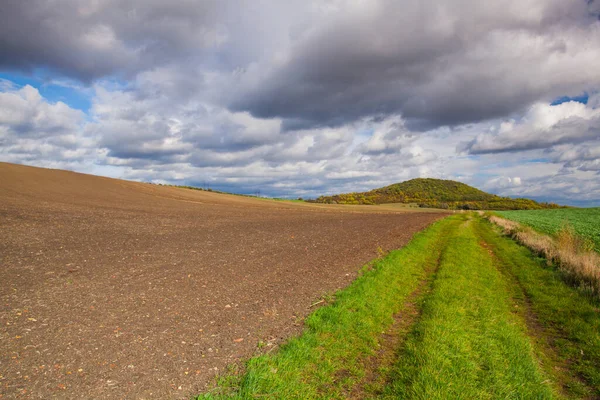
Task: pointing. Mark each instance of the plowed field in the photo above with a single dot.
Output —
(117, 289)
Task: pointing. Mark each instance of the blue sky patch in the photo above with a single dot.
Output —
(564, 99)
(70, 93)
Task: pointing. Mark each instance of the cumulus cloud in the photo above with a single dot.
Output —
(390, 137)
(542, 126)
(35, 130)
(573, 187)
(502, 182)
(585, 157)
(156, 129)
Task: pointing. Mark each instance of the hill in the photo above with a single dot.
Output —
(436, 193)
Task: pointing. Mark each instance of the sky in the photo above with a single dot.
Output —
(310, 97)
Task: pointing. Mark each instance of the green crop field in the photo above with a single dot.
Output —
(585, 221)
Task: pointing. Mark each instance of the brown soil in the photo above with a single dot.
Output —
(116, 289)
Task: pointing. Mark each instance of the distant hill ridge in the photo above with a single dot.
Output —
(436, 193)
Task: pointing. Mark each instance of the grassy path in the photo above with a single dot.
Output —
(379, 366)
(461, 312)
(564, 323)
(468, 344)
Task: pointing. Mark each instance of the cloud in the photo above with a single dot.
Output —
(88, 40)
(502, 182)
(389, 138)
(154, 128)
(585, 157)
(543, 126)
(432, 63)
(33, 130)
(574, 187)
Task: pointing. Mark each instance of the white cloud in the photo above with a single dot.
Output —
(33, 130)
(390, 137)
(502, 182)
(543, 126)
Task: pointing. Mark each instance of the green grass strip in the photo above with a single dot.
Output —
(571, 318)
(468, 344)
(327, 359)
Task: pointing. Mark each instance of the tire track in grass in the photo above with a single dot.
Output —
(468, 344)
(567, 383)
(378, 366)
(563, 324)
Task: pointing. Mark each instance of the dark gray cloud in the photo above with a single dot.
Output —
(434, 64)
(92, 39)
